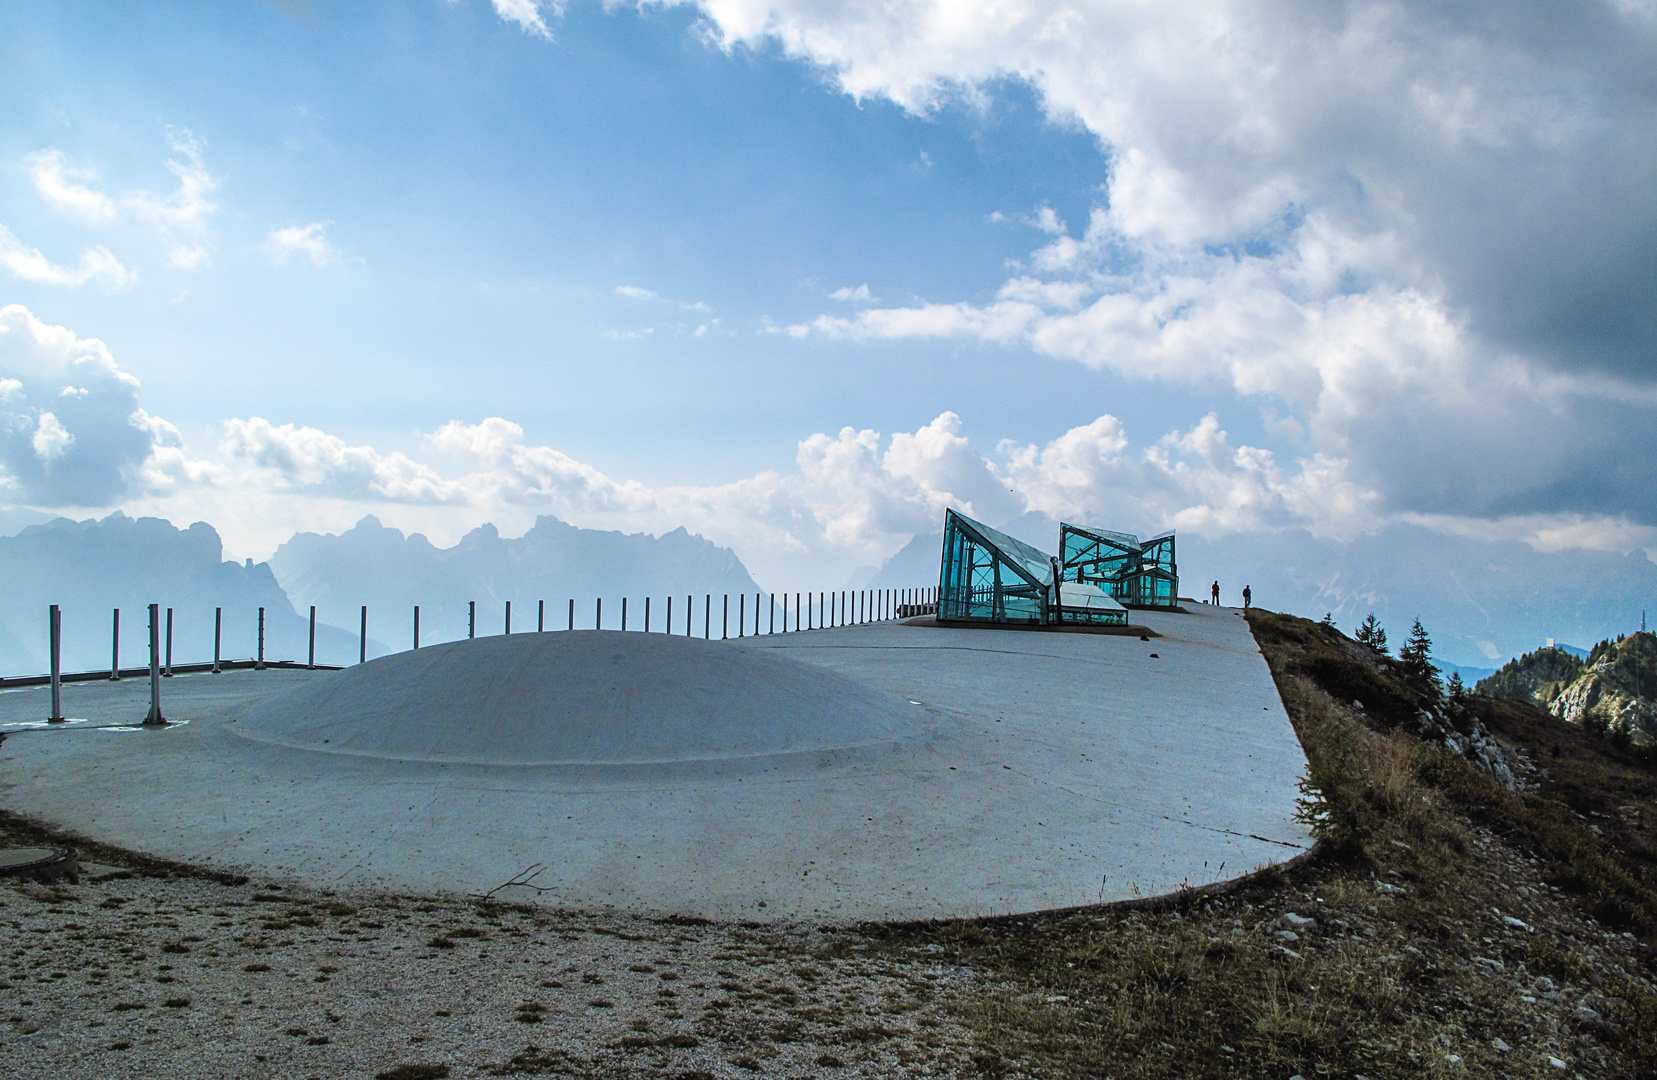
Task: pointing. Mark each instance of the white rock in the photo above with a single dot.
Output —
(1291, 921)
(1497, 1044)
(1517, 924)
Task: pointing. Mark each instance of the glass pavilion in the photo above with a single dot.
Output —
(1137, 574)
(990, 577)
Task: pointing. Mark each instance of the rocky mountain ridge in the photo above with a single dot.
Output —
(1613, 689)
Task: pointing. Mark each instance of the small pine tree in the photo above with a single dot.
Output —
(1456, 688)
(1328, 619)
(1370, 633)
(1416, 654)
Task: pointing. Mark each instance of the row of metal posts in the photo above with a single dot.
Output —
(832, 609)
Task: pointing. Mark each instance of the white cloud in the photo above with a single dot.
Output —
(527, 14)
(59, 183)
(180, 218)
(307, 240)
(311, 461)
(634, 292)
(1421, 232)
(97, 264)
(847, 294)
(85, 449)
(51, 439)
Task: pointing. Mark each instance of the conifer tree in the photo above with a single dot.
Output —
(1416, 654)
(1370, 633)
(1456, 688)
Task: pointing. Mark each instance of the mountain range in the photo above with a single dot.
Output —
(90, 568)
(553, 562)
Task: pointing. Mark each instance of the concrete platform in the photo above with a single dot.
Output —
(1037, 771)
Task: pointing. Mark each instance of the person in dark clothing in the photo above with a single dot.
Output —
(1246, 596)
(1214, 593)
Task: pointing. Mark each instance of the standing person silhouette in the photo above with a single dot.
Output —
(1246, 595)
(1214, 592)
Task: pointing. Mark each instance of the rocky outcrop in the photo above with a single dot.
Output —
(1536, 677)
(1459, 731)
(1617, 693)
(1614, 690)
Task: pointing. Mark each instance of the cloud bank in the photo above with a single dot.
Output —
(1419, 236)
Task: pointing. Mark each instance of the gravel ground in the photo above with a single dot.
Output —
(146, 972)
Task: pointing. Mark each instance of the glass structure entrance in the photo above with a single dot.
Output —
(1135, 573)
(990, 577)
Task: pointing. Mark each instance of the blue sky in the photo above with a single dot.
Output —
(799, 273)
(489, 191)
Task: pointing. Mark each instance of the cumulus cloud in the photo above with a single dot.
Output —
(71, 431)
(634, 292)
(310, 241)
(1421, 235)
(310, 461)
(851, 498)
(847, 294)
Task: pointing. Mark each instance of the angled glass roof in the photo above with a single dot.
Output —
(1037, 564)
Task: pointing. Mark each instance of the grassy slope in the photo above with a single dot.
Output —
(1411, 969)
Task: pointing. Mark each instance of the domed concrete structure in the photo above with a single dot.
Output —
(591, 697)
(775, 778)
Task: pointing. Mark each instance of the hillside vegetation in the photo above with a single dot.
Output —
(1613, 691)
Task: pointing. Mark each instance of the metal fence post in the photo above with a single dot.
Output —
(756, 614)
(598, 614)
(167, 672)
(509, 616)
(773, 627)
(725, 618)
(362, 638)
(741, 613)
(541, 617)
(668, 622)
(310, 652)
(259, 665)
(624, 613)
(647, 614)
(471, 619)
(416, 626)
(707, 617)
(689, 608)
(218, 638)
(572, 614)
(115, 647)
(155, 716)
(54, 645)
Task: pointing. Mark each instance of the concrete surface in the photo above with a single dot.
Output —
(1045, 770)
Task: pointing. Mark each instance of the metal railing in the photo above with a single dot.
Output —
(823, 610)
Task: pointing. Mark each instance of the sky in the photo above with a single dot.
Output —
(798, 274)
